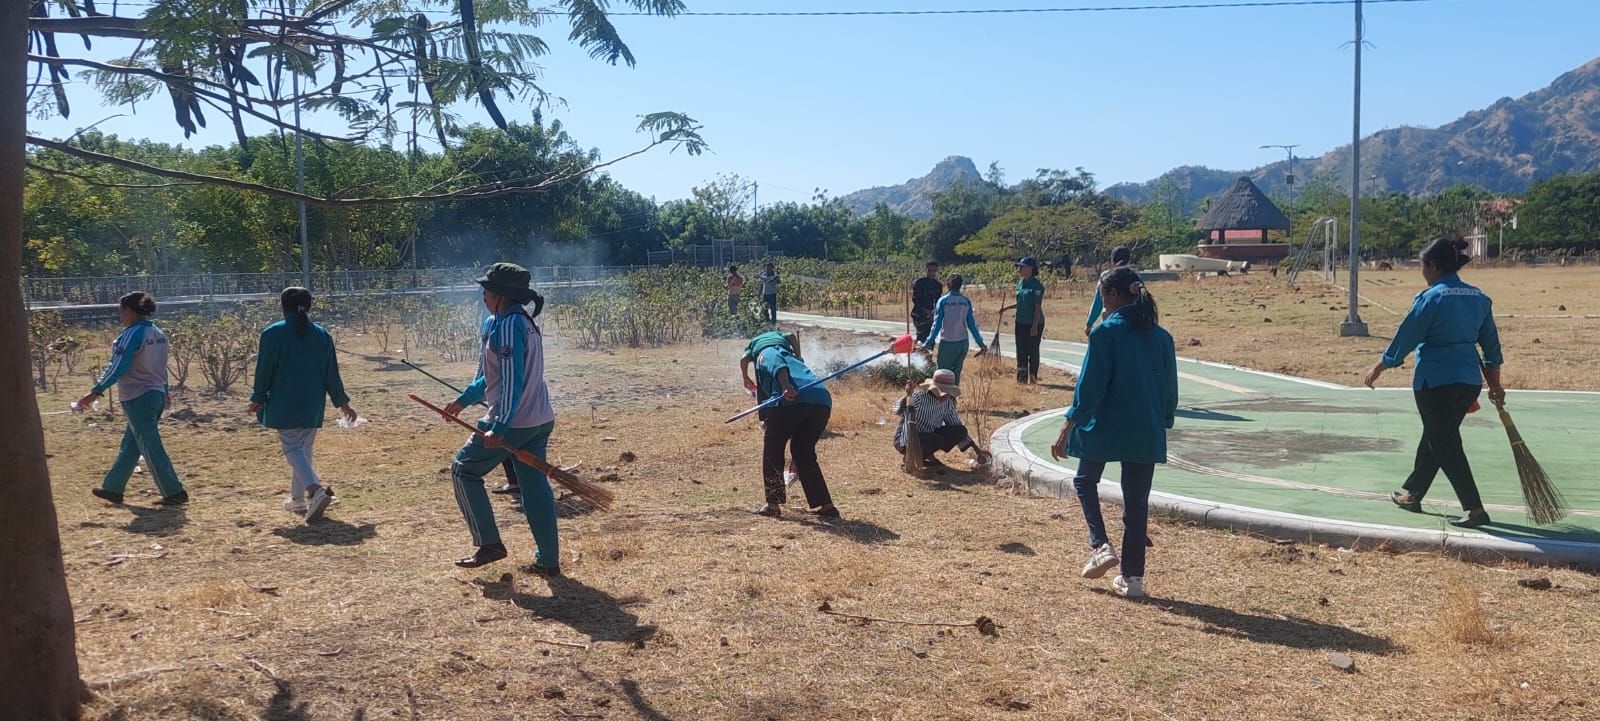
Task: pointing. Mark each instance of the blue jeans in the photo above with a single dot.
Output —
(297, 450)
(538, 501)
(143, 438)
(769, 305)
(1136, 481)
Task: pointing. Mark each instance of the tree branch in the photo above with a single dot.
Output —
(101, 183)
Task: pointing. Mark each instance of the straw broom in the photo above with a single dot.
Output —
(597, 496)
(912, 460)
(1545, 504)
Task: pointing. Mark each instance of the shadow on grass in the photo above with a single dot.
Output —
(1519, 532)
(1286, 631)
(328, 532)
(863, 532)
(585, 609)
(157, 521)
(640, 704)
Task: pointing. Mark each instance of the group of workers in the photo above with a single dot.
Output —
(1124, 403)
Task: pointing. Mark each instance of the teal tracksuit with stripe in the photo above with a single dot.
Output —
(138, 368)
(511, 381)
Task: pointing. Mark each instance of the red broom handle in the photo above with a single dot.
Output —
(522, 455)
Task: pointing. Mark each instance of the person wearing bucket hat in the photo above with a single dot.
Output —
(932, 406)
(1029, 320)
(511, 382)
(1121, 257)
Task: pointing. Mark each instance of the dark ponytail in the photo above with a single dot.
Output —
(297, 306)
(1143, 313)
(538, 304)
(1446, 253)
(139, 302)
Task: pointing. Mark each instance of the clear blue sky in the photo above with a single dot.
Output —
(844, 103)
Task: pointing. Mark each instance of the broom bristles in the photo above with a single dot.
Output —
(1544, 501)
(596, 495)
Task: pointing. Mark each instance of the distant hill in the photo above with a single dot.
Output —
(1504, 148)
(915, 196)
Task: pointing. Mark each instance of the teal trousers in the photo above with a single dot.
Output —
(951, 356)
(538, 502)
(142, 437)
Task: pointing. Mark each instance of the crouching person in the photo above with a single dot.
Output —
(932, 406)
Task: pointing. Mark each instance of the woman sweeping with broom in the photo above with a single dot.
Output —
(1448, 324)
(297, 371)
(797, 422)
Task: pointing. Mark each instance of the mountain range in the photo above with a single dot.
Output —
(1504, 148)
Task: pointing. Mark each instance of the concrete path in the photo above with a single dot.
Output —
(1297, 458)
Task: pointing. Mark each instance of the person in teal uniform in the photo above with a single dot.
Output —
(953, 319)
(797, 421)
(1126, 400)
(1029, 328)
(138, 368)
(297, 371)
(1121, 257)
(1447, 326)
(511, 381)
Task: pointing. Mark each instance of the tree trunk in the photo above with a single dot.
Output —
(38, 654)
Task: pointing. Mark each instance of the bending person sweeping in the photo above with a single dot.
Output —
(952, 321)
(1448, 323)
(297, 371)
(797, 422)
(511, 381)
(1126, 399)
(138, 367)
(938, 426)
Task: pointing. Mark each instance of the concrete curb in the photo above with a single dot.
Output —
(1043, 477)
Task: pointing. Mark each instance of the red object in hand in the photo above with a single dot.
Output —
(903, 344)
(1475, 407)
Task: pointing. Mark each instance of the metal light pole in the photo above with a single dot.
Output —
(300, 184)
(1353, 325)
(1288, 180)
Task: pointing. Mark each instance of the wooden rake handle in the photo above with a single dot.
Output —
(543, 465)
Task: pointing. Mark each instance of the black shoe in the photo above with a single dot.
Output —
(1406, 501)
(1473, 519)
(173, 501)
(114, 498)
(485, 556)
(770, 510)
(828, 511)
(931, 462)
(507, 488)
(538, 570)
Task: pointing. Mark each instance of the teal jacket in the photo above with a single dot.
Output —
(1447, 325)
(1127, 394)
(294, 373)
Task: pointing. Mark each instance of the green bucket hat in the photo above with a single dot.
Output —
(510, 280)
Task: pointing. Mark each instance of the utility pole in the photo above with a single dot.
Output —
(1353, 326)
(1288, 180)
(300, 183)
(755, 198)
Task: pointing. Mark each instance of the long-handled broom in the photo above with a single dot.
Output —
(903, 344)
(1545, 504)
(597, 496)
(912, 459)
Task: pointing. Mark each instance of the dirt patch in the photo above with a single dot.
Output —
(1272, 449)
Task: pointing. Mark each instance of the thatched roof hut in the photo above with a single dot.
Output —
(1243, 207)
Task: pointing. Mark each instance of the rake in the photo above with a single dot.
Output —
(597, 496)
(1545, 504)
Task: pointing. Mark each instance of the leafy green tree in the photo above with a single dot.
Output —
(958, 212)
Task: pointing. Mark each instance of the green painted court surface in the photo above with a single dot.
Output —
(1315, 449)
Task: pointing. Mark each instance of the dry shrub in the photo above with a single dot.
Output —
(1463, 616)
(217, 594)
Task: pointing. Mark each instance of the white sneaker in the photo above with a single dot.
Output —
(293, 506)
(1103, 559)
(319, 503)
(1131, 587)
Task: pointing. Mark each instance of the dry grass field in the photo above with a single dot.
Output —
(680, 604)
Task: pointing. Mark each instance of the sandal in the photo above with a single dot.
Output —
(1406, 501)
(484, 556)
(828, 511)
(770, 510)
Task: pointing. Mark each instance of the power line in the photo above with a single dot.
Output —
(1025, 11)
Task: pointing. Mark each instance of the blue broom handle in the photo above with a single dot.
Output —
(775, 399)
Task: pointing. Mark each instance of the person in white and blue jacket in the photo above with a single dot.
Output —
(1125, 401)
(138, 368)
(1448, 324)
(511, 381)
(952, 320)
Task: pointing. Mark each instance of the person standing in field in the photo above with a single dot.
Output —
(1448, 324)
(925, 294)
(938, 426)
(297, 370)
(798, 422)
(1125, 401)
(1121, 257)
(769, 293)
(138, 368)
(735, 283)
(1029, 328)
(511, 381)
(953, 319)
